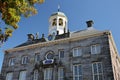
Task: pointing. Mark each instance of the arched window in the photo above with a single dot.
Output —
(60, 22)
(35, 77)
(54, 22)
(50, 55)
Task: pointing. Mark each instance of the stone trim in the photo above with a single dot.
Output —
(75, 38)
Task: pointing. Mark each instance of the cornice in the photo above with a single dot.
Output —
(43, 44)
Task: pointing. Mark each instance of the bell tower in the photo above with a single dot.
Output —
(58, 23)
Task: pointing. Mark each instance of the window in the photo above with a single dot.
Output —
(9, 76)
(54, 22)
(22, 75)
(35, 75)
(61, 54)
(77, 72)
(97, 71)
(11, 61)
(95, 49)
(60, 73)
(48, 74)
(77, 52)
(37, 57)
(24, 59)
(60, 22)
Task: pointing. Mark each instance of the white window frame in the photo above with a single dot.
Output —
(11, 61)
(35, 77)
(97, 70)
(48, 74)
(9, 76)
(61, 54)
(95, 49)
(77, 52)
(24, 59)
(60, 73)
(22, 75)
(78, 75)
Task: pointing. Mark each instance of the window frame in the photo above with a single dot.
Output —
(95, 49)
(60, 77)
(60, 22)
(9, 76)
(97, 69)
(47, 73)
(11, 61)
(54, 22)
(21, 74)
(63, 54)
(37, 57)
(24, 60)
(35, 75)
(79, 67)
(79, 51)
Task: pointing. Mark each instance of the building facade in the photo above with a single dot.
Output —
(80, 55)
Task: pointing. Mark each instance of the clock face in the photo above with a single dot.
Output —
(49, 55)
(51, 37)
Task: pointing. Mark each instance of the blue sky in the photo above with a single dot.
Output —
(104, 13)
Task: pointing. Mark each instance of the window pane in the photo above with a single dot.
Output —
(24, 60)
(11, 61)
(77, 72)
(9, 76)
(36, 75)
(93, 49)
(80, 78)
(76, 78)
(79, 52)
(97, 71)
(60, 74)
(48, 74)
(22, 75)
(37, 57)
(80, 71)
(94, 68)
(75, 52)
(61, 54)
(100, 77)
(99, 67)
(95, 77)
(98, 48)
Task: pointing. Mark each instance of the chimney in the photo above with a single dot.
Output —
(42, 35)
(37, 35)
(30, 37)
(89, 23)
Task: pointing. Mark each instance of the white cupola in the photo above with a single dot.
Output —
(58, 23)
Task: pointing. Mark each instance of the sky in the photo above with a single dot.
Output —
(104, 13)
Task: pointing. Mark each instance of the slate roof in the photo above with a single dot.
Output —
(85, 32)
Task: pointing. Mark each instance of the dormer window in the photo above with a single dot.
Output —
(54, 22)
(60, 22)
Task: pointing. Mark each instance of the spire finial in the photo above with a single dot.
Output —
(58, 7)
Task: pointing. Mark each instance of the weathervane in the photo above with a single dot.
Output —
(58, 7)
